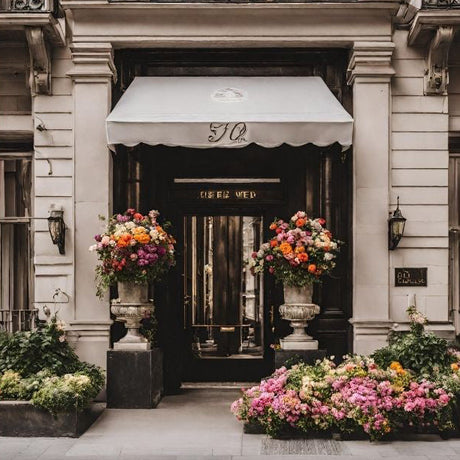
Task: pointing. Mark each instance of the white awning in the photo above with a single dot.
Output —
(205, 112)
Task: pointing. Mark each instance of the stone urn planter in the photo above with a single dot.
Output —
(298, 309)
(131, 307)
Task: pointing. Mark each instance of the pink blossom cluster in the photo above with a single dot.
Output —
(355, 396)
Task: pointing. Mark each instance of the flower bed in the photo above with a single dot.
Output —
(41, 378)
(374, 396)
(355, 397)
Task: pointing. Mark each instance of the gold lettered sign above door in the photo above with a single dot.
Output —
(228, 190)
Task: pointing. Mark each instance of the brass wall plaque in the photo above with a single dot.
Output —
(411, 277)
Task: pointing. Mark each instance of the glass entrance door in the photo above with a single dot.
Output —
(223, 301)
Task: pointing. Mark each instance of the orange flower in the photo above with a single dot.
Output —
(138, 216)
(273, 243)
(286, 248)
(122, 243)
(273, 226)
(300, 222)
(142, 238)
(299, 249)
(454, 367)
(138, 230)
(396, 366)
(312, 268)
(303, 256)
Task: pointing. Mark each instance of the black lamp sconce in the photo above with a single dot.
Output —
(396, 223)
(56, 227)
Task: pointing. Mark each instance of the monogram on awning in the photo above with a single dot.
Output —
(206, 112)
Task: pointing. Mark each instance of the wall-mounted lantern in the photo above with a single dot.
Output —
(56, 227)
(396, 224)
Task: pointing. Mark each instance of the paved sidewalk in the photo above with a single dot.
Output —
(198, 424)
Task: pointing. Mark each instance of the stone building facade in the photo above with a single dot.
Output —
(63, 68)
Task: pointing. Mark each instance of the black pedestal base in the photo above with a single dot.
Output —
(134, 379)
(308, 356)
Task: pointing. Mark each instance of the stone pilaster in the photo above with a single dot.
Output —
(370, 73)
(92, 76)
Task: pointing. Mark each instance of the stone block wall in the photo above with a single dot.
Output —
(53, 181)
(419, 176)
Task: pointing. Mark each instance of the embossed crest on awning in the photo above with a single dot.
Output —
(206, 112)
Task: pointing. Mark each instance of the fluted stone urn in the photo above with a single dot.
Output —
(298, 309)
(131, 307)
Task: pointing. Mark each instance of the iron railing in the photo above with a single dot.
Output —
(16, 312)
(18, 320)
(441, 4)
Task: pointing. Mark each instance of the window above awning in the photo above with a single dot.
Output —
(206, 112)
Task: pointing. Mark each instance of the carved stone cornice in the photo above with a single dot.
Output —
(40, 61)
(427, 21)
(436, 74)
(370, 62)
(92, 62)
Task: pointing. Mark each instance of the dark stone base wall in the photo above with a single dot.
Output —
(21, 418)
(134, 379)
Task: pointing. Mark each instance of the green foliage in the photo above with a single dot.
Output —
(422, 352)
(66, 393)
(10, 385)
(32, 351)
(41, 366)
(149, 329)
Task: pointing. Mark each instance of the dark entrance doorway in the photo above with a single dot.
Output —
(216, 321)
(230, 338)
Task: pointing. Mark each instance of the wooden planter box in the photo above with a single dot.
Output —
(21, 418)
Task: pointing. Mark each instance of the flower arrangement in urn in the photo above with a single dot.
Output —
(300, 253)
(133, 248)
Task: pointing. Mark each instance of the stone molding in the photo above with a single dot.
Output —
(89, 328)
(54, 28)
(319, 4)
(372, 329)
(436, 74)
(370, 62)
(93, 62)
(427, 21)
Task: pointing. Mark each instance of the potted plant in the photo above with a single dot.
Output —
(301, 252)
(134, 250)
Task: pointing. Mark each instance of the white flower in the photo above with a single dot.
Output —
(105, 240)
(93, 247)
(328, 256)
(129, 225)
(316, 225)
